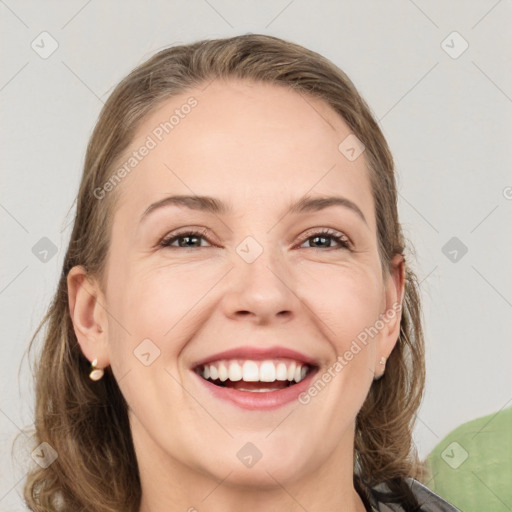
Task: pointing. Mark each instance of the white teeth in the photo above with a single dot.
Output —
(291, 372)
(235, 372)
(267, 372)
(250, 372)
(255, 371)
(223, 372)
(281, 373)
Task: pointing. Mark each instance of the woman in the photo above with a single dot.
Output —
(235, 326)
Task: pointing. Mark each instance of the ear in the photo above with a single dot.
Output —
(392, 316)
(88, 314)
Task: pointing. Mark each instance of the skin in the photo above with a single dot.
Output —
(257, 147)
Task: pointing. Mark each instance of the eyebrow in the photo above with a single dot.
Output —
(212, 205)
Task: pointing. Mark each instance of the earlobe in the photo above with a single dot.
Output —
(88, 315)
(380, 373)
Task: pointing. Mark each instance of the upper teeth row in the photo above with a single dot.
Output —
(254, 371)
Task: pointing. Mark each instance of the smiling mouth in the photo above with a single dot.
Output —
(255, 376)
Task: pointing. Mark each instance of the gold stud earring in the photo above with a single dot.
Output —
(381, 362)
(96, 373)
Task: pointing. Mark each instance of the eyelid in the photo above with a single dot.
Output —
(334, 233)
(192, 231)
(341, 238)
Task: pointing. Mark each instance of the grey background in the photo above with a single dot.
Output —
(446, 119)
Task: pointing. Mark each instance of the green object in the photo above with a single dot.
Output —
(472, 466)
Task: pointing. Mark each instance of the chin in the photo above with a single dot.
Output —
(272, 465)
(263, 475)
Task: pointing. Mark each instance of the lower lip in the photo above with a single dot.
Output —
(265, 400)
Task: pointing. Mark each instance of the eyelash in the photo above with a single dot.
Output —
(326, 233)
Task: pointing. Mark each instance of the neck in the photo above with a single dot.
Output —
(224, 496)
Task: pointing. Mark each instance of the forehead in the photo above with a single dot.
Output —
(250, 144)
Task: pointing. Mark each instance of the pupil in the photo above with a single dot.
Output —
(316, 238)
(188, 238)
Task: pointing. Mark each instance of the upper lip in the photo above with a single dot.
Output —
(258, 354)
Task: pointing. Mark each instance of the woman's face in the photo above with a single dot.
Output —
(261, 282)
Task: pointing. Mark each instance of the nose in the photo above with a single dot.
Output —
(262, 291)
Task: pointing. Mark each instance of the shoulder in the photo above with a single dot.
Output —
(427, 499)
(471, 465)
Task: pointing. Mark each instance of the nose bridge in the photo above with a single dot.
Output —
(260, 280)
(261, 261)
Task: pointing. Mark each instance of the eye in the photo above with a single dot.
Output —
(320, 237)
(190, 238)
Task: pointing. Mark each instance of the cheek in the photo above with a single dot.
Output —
(165, 298)
(152, 318)
(346, 298)
(166, 303)
(161, 304)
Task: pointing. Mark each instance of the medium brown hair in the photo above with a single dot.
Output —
(86, 422)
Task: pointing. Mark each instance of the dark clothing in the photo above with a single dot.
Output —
(427, 501)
